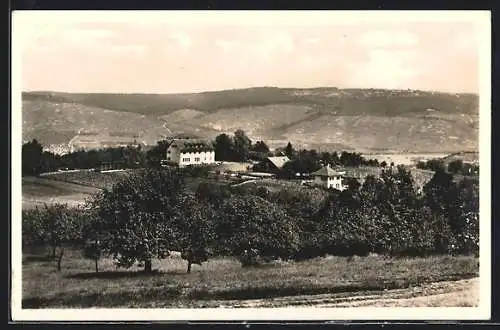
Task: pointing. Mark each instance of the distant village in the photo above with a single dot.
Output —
(186, 151)
(193, 152)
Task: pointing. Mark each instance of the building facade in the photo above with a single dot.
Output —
(184, 152)
(328, 178)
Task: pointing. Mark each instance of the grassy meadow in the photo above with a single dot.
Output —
(222, 281)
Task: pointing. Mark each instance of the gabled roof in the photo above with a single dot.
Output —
(191, 145)
(328, 171)
(278, 161)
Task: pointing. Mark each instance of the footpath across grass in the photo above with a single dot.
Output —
(77, 285)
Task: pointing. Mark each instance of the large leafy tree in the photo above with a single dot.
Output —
(224, 148)
(464, 220)
(242, 145)
(249, 227)
(194, 230)
(32, 157)
(440, 193)
(154, 156)
(138, 216)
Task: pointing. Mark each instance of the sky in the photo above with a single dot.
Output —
(192, 52)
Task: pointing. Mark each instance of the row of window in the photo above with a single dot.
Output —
(197, 159)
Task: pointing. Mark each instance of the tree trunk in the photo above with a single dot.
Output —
(59, 260)
(53, 252)
(189, 266)
(148, 267)
(96, 265)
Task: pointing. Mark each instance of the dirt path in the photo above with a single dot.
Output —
(463, 293)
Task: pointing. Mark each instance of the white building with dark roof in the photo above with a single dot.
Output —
(329, 178)
(184, 152)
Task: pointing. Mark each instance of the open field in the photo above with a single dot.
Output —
(404, 158)
(37, 191)
(98, 180)
(75, 187)
(223, 281)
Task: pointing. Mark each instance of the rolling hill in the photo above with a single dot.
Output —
(326, 118)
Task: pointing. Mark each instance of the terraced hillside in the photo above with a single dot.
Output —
(364, 120)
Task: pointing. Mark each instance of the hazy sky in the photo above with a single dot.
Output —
(190, 52)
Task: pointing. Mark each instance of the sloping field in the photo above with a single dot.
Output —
(254, 120)
(181, 115)
(404, 134)
(37, 191)
(54, 123)
(93, 179)
(466, 157)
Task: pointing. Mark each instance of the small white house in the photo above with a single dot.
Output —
(184, 152)
(329, 178)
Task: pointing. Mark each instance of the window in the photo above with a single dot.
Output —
(197, 159)
(186, 159)
(168, 151)
(337, 186)
(168, 157)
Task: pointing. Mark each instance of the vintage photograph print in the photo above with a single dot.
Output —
(251, 165)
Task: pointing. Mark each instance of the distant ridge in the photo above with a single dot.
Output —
(353, 118)
(347, 101)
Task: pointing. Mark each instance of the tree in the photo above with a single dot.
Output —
(54, 225)
(214, 194)
(194, 230)
(351, 159)
(34, 227)
(32, 158)
(440, 193)
(242, 145)
(464, 219)
(155, 155)
(92, 250)
(352, 184)
(370, 191)
(261, 147)
(304, 162)
(250, 227)
(93, 232)
(289, 151)
(435, 165)
(326, 158)
(224, 148)
(138, 214)
(456, 166)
